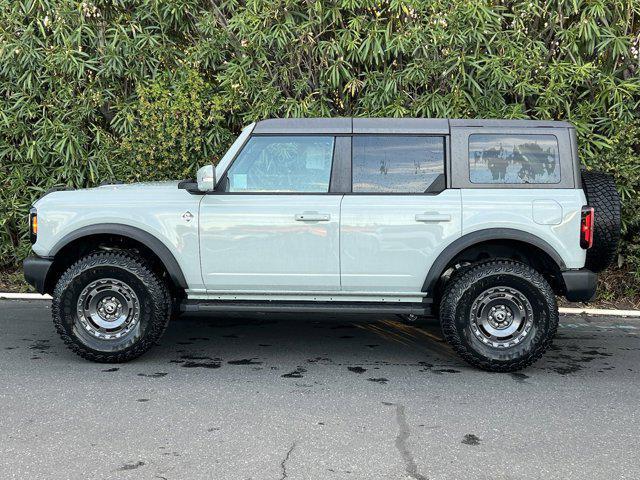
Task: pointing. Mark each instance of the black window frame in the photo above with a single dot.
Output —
(341, 178)
(459, 151)
(520, 184)
(445, 162)
(337, 163)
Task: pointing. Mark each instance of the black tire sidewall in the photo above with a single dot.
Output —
(153, 297)
(527, 346)
(455, 314)
(600, 191)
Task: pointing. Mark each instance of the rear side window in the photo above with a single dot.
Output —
(513, 159)
(282, 164)
(397, 164)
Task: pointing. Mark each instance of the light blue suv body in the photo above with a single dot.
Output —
(365, 215)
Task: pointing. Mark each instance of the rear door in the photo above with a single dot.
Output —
(274, 227)
(399, 215)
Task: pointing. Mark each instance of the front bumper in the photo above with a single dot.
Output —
(580, 285)
(36, 270)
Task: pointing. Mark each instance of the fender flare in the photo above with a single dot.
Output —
(473, 238)
(153, 243)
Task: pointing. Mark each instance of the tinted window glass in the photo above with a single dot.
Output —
(513, 159)
(282, 164)
(397, 164)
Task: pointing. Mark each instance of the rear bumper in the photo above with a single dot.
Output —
(36, 270)
(580, 285)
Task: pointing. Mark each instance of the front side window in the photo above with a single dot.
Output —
(283, 164)
(513, 159)
(397, 164)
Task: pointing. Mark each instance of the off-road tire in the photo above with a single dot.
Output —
(601, 193)
(459, 296)
(153, 295)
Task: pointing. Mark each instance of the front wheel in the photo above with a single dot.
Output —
(500, 315)
(110, 307)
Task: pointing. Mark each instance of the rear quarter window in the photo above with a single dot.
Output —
(513, 159)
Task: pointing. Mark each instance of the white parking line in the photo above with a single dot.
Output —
(570, 310)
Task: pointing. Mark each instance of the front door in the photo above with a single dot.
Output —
(400, 215)
(274, 227)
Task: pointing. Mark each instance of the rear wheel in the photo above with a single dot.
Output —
(111, 307)
(499, 315)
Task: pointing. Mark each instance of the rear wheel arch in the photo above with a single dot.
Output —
(491, 243)
(112, 236)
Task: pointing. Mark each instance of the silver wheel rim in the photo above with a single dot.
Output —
(501, 317)
(108, 309)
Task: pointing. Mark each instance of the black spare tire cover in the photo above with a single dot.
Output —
(601, 193)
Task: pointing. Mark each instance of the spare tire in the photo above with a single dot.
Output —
(601, 193)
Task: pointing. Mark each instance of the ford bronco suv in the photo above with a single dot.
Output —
(478, 222)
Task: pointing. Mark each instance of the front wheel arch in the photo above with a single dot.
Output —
(112, 235)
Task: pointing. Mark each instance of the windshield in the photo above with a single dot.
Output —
(233, 150)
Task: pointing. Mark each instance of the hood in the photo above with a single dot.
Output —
(113, 194)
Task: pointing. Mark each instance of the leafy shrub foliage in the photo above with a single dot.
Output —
(179, 124)
(622, 161)
(134, 89)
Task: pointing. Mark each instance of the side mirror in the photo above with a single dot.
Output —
(206, 177)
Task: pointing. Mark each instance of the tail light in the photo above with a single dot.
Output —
(586, 228)
(33, 225)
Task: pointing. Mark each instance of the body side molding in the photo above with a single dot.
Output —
(480, 236)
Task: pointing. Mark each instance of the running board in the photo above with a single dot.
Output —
(423, 308)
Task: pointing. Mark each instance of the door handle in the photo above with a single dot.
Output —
(312, 217)
(433, 217)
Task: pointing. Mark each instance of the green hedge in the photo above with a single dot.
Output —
(118, 89)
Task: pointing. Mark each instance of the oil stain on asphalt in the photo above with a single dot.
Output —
(153, 375)
(131, 466)
(244, 361)
(471, 439)
(357, 369)
(297, 373)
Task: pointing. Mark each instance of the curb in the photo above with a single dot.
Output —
(600, 311)
(566, 310)
(23, 296)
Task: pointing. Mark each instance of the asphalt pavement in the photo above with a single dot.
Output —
(316, 397)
